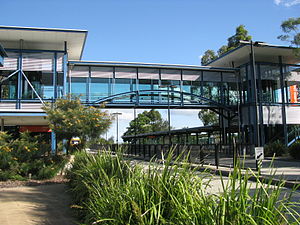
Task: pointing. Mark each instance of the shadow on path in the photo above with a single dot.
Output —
(45, 204)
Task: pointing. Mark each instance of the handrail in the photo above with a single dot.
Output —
(138, 93)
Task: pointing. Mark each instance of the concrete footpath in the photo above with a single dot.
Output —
(40, 205)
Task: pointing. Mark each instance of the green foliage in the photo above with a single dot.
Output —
(208, 56)
(276, 147)
(146, 122)
(26, 155)
(291, 29)
(208, 117)
(69, 118)
(106, 189)
(241, 34)
(294, 150)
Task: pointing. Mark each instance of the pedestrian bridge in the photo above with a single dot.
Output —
(128, 85)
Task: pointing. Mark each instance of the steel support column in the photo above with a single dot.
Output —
(283, 111)
(55, 75)
(260, 100)
(255, 115)
(2, 124)
(65, 70)
(19, 85)
(53, 143)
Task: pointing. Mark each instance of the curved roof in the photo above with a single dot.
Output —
(44, 39)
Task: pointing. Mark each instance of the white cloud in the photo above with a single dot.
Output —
(287, 3)
(277, 2)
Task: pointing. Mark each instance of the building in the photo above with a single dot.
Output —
(43, 64)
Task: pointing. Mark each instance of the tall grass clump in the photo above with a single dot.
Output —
(107, 189)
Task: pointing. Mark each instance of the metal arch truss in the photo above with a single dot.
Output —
(139, 93)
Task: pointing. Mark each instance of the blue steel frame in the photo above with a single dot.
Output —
(20, 74)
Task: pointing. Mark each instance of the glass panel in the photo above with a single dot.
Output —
(60, 84)
(125, 82)
(37, 61)
(211, 85)
(59, 62)
(42, 83)
(148, 80)
(101, 78)
(292, 83)
(171, 78)
(8, 88)
(11, 61)
(191, 84)
(270, 82)
(1, 61)
(244, 84)
(79, 76)
(78, 87)
(230, 87)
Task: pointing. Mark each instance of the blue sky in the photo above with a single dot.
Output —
(158, 31)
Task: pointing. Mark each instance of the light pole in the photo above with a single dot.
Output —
(169, 114)
(117, 115)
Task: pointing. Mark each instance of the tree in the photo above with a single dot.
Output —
(241, 34)
(291, 29)
(208, 56)
(146, 122)
(222, 50)
(69, 118)
(208, 117)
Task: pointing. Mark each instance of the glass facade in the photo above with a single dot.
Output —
(153, 85)
(44, 71)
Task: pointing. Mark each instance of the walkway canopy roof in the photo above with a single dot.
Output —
(174, 132)
(263, 53)
(44, 39)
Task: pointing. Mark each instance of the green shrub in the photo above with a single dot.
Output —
(47, 172)
(294, 150)
(106, 189)
(27, 155)
(276, 147)
(5, 175)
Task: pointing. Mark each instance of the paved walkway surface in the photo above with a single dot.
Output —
(285, 168)
(41, 205)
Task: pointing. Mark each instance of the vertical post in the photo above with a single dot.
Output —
(88, 90)
(54, 75)
(181, 88)
(169, 123)
(53, 143)
(19, 87)
(65, 70)
(135, 121)
(117, 129)
(217, 156)
(117, 115)
(256, 121)
(283, 111)
(2, 124)
(64, 146)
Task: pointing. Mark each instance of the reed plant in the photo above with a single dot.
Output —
(107, 189)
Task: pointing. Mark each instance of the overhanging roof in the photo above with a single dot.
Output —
(150, 65)
(263, 53)
(44, 39)
(175, 132)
